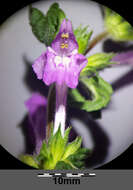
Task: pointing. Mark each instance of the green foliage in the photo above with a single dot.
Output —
(74, 161)
(79, 157)
(72, 147)
(82, 37)
(29, 160)
(61, 165)
(57, 146)
(118, 28)
(58, 153)
(60, 150)
(100, 91)
(97, 62)
(45, 27)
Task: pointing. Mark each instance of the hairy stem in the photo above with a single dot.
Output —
(50, 110)
(96, 40)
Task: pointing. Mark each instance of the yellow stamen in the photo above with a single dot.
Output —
(64, 45)
(65, 35)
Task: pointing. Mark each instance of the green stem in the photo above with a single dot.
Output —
(96, 40)
(50, 110)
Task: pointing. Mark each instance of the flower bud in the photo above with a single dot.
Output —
(118, 28)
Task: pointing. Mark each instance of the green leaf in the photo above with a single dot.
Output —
(55, 15)
(81, 154)
(100, 90)
(38, 22)
(97, 62)
(63, 166)
(88, 71)
(29, 160)
(77, 160)
(118, 28)
(45, 27)
(72, 148)
(58, 153)
(66, 136)
(51, 153)
(76, 96)
(44, 152)
(57, 145)
(82, 37)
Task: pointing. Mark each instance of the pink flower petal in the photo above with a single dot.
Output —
(38, 65)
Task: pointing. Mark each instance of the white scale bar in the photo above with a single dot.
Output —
(92, 174)
(44, 175)
(67, 174)
(74, 175)
(48, 175)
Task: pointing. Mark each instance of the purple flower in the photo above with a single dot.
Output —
(61, 63)
(36, 106)
(124, 58)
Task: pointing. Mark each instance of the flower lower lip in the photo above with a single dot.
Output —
(64, 61)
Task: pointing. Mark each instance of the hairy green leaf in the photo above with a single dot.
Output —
(61, 165)
(45, 27)
(58, 153)
(57, 145)
(44, 152)
(77, 160)
(97, 62)
(82, 37)
(66, 136)
(29, 160)
(72, 147)
(100, 91)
